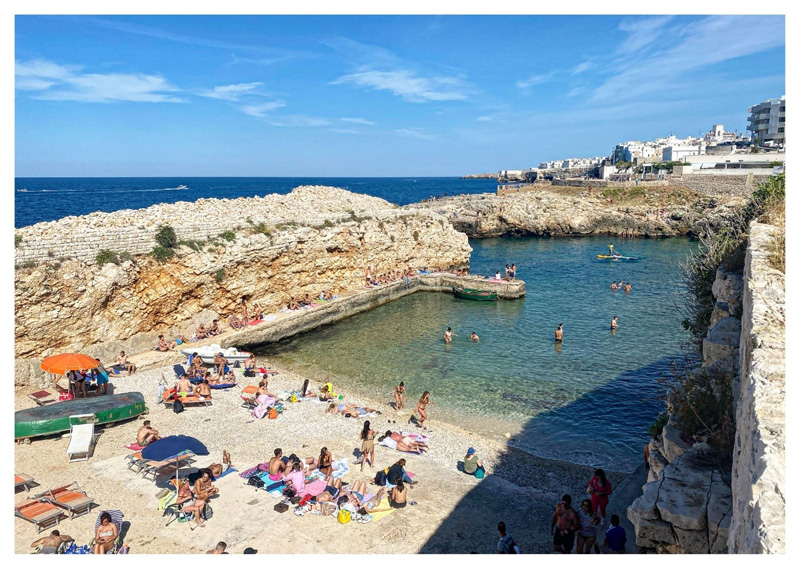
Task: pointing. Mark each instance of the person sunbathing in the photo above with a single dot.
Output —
(183, 385)
(396, 441)
(276, 465)
(213, 329)
(397, 495)
(186, 495)
(257, 314)
(105, 535)
(146, 434)
(164, 345)
(203, 390)
(263, 387)
(229, 378)
(123, 364)
(326, 393)
(203, 486)
(234, 322)
(250, 363)
(51, 542)
(296, 478)
(201, 332)
(220, 362)
(293, 304)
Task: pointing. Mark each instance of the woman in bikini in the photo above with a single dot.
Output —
(399, 391)
(367, 445)
(106, 534)
(324, 461)
(185, 495)
(421, 406)
(397, 496)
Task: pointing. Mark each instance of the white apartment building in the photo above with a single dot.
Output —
(767, 121)
(680, 153)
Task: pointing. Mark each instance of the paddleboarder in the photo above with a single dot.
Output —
(610, 249)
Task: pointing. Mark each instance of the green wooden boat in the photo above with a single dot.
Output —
(54, 418)
(472, 294)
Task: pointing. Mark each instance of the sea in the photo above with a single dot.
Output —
(48, 199)
(588, 400)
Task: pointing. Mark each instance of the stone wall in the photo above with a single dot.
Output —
(603, 183)
(686, 506)
(689, 504)
(74, 304)
(710, 184)
(759, 469)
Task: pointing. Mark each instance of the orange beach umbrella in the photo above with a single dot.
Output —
(60, 364)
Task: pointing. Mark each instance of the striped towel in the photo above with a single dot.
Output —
(339, 468)
(167, 500)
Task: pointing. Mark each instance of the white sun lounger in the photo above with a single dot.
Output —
(81, 437)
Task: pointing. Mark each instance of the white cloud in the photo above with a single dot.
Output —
(231, 92)
(298, 120)
(67, 83)
(525, 84)
(344, 131)
(485, 118)
(575, 91)
(415, 133)
(363, 121)
(585, 66)
(408, 85)
(262, 110)
(682, 48)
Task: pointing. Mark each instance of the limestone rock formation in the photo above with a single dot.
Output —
(81, 305)
(546, 212)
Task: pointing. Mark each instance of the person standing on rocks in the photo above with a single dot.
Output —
(563, 526)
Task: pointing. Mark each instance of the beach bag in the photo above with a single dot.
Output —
(288, 492)
(249, 373)
(256, 482)
(281, 507)
(479, 473)
(295, 500)
(306, 498)
(177, 406)
(208, 512)
(344, 516)
(380, 478)
(294, 398)
(273, 414)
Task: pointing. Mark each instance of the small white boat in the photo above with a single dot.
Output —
(208, 352)
(23, 189)
(181, 187)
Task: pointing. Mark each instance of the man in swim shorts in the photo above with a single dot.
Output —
(563, 525)
(560, 332)
(276, 465)
(146, 434)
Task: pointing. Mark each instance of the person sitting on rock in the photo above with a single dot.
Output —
(164, 345)
(213, 329)
(201, 332)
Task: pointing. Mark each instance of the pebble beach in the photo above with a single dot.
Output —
(454, 512)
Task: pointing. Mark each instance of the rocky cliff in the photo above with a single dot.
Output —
(662, 212)
(277, 247)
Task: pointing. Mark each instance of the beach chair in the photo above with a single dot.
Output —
(41, 397)
(155, 467)
(179, 370)
(41, 513)
(248, 397)
(22, 480)
(81, 437)
(168, 398)
(116, 518)
(135, 461)
(74, 501)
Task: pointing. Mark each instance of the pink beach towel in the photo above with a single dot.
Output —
(314, 488)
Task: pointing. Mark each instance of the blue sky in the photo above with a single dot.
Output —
(373, 96)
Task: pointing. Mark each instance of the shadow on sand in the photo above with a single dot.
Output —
(522, 489)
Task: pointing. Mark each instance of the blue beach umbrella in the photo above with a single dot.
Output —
(172, 446)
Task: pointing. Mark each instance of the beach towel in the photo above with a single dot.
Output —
(246, 474)
(270, 318)
(135, 447)
(314, 488)
(223, 385)
(274, 488)
(383, 509)
(167, 500)
(226, 472)
(339, 468)
(255, 322)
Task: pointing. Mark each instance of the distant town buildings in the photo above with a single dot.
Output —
(767, 121)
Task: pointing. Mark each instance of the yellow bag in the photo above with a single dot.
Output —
(344, 516)
(294, 398)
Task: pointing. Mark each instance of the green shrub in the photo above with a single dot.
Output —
(17, 240)
(123, 256)
(162, 253)
(194, 245)
(261, 228)
(105, 256)
(229, 236)
(219, 275)
(636, 192)
(165, 237)
(656, 427)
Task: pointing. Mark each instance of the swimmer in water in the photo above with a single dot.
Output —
(448, 335)
(474, 337)
(627, 287)
(560, 332)
(614, 324)
(613, 285)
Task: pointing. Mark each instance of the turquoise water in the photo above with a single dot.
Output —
(588, 401)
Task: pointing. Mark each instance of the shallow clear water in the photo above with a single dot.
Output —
(589, 400)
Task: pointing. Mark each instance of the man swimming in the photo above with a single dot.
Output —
(474, 337)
